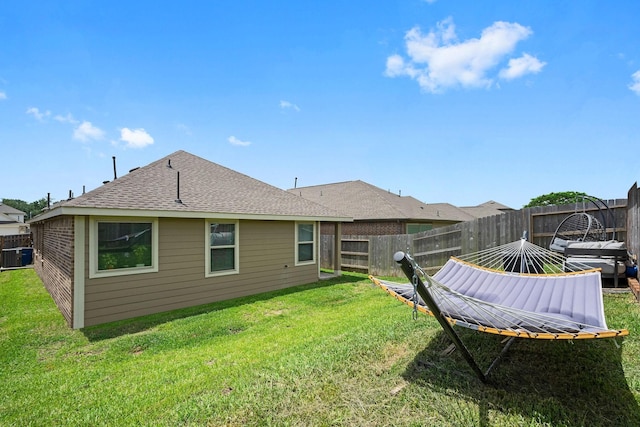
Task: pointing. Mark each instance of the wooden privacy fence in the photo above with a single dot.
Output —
(355, 254)
(432, 249)
(11, 249)
(15, 241)
(633, 220)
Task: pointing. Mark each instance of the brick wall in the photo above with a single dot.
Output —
(362, 228)
(53, 260)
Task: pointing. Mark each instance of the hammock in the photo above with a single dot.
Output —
(493, 298)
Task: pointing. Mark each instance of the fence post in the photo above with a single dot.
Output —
(484, 233)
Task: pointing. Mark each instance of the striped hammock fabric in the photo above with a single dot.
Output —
(543, 306)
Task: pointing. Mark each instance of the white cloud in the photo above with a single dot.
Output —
(3, 95)
(184, 128)
(518, 67)
(396, 67)
(66, 119)
(635, 85)
(287, 104)
(135, 138)
(438, 61)
(235, 141)
(39, 115)
(86, 131)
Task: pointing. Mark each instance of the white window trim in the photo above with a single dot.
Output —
(207, 248)
(94, 273)
(314, 242)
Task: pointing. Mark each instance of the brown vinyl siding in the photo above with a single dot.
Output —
(267, 250)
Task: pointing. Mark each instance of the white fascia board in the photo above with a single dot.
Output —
(182, 214)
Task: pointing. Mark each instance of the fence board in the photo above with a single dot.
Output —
(11, 258)
(632, 222)
(355, 254)
(15, 241)
(434, 247)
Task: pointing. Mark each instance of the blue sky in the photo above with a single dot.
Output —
(446, 101)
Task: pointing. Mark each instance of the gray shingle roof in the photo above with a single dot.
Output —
(205, 187)
(6, 209)
(489, 208)
(363, 201)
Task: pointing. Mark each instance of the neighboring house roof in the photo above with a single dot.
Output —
(363, 201)
(489, 208)
(6, 209)
(205, 189)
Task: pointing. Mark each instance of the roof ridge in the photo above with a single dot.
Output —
(186, 183)
(320, 185)
(384, 195)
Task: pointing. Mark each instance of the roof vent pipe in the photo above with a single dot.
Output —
(115, 176)
(169, 164)
(295, 183)
(178, 190)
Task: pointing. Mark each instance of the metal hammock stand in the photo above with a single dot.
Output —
(553, 306)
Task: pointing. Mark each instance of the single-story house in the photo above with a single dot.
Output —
(179, 232)
(380, 212)
(12, 221)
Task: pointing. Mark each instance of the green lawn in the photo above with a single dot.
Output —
(339, 353)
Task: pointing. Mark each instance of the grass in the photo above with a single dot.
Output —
(334, 353)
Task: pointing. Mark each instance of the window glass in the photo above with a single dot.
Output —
(124, 245)
(305, 232)
(305, 252)
(222, 259)
(305, 242)
(222, 240)
(418, 228)
(223, 234)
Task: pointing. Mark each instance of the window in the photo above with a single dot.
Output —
(123, 246)
(222, 248)
(305, 242)
(418, 228)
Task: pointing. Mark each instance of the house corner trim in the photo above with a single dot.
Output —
(78, 271)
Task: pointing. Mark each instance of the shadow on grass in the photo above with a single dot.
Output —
(547, 382)
(139, 324)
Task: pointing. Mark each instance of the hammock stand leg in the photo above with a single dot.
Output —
(499, 357)
(409, 271)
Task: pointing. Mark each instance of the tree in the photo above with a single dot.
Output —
(553, 199)
(31, 209)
